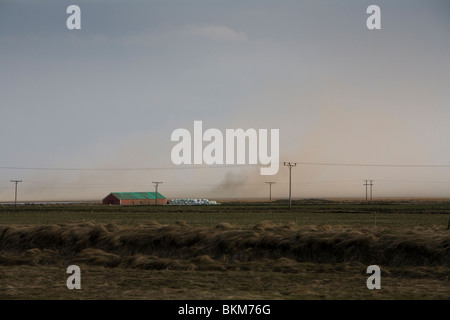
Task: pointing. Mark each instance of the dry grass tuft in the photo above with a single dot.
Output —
(265, 225)
(224, 225)
(182, 247)
(181, 223)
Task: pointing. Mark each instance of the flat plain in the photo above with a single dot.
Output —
(318, 250)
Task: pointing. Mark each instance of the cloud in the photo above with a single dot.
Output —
(221, 33)
(170, 35)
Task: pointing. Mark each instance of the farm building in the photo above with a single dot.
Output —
(134, 198)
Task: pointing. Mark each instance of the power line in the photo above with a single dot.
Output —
(290, 165)
(68, 185)
(374, 165)
(270, 190)
(412, 181)
(15, 194)
(193, 167)
(156, 191)
(368, 183)
(196, 167)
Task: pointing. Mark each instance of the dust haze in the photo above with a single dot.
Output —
(110, 95)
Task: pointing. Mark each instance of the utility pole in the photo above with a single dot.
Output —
(156, 191)
(270, 190)
(368, 183)
(371, 184)
(365, 184)
(15, 195)
(290, 165)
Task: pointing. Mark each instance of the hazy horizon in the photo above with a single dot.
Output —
(88, 112)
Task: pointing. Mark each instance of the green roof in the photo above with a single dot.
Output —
(136, 195)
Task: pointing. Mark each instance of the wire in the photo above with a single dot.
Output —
(127, 169)
(411, 181)
(47, 185)
(373, 165)
(196, 167)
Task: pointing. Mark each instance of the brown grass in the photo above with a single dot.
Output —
(265, 261)
(224, 247)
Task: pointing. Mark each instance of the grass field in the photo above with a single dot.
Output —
(383, 213)
(318, 250)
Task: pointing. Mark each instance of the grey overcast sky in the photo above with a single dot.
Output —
(110, 95)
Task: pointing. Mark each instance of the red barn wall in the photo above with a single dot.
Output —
(142, 202)
(110, 199)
